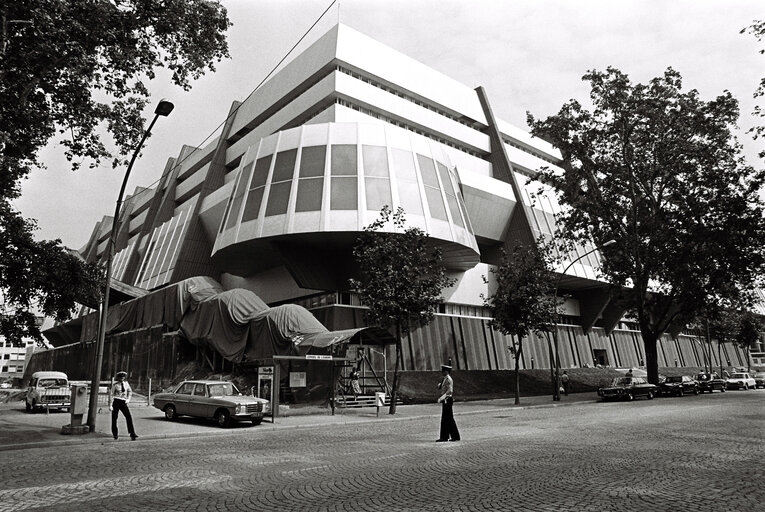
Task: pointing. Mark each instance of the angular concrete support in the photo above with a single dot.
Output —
(592, 303)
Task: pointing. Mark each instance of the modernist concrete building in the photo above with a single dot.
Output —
(276, 201)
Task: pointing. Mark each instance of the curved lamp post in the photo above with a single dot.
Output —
(163, 109)
(556, 390)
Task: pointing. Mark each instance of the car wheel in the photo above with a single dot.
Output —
(223, 418)
(257, 421)
(650, 395)
(170, 412)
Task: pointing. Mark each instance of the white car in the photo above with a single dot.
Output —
(741, 381)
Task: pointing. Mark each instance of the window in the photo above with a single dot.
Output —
(241, 187)
(344, 160)
(311, 182)
(451, 194)
(406, 177)
(376, 179)
(281, 183)
(257, 187)
(432, 187)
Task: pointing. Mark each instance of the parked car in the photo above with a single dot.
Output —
(741, 381)
(678, 386)
(759, 379)
(6, 385)
(48, 390)
(213, 399)
(710, 382)
(627, 388)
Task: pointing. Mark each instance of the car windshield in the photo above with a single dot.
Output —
(674, 379)
(738, 376)
(703, 376)
(51, 383)
(622, 381)
(222, 389)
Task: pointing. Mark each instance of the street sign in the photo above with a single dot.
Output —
(320, 357)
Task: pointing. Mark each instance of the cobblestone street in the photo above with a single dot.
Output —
(700, 453)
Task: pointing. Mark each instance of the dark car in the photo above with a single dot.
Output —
(627, 388)
(759, 379)
(678, 386)
(710, 382)
(215, 399)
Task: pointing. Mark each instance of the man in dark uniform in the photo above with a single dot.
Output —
(449, 430)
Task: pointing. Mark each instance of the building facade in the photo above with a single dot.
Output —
(275, 203)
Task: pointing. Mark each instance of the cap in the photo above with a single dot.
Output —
(121, 374)
(446, 367)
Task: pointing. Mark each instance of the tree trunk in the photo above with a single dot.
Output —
(394, 393)
(552, 366)
(518, 355)
(651, 357)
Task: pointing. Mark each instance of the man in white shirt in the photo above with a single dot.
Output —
(121, 391)
(449, 431)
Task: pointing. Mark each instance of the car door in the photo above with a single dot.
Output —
(182, 398)
(199, 401)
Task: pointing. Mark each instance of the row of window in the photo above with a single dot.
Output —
(344, 172)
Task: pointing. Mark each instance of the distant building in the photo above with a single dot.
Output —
(13, 359)
(275, 203)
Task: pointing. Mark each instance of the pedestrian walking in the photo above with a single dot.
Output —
(122, 392)
(449, 431)
(564, 380)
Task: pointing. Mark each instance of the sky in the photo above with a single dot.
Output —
(529, 56)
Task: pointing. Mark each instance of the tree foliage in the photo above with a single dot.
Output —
(523, 299)
(757, 29)
(659, 171)
(73, 70)
(402, 277)
(78, 66)
(748, 333)
(38, 278)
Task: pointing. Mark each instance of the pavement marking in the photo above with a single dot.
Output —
(77, 492)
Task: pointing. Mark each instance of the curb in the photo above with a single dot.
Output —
(104, 438)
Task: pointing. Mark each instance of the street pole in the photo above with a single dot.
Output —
(163, 109)
(556, 387)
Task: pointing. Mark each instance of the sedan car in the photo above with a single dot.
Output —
(678, 386)
(627, 388)
(218, 400)
(710, 382)
(741, 381)
(759, 379)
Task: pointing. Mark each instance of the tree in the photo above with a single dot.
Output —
(79, 68)
(38, 277)
(524, 298)
(748, 334)
(402, 277)
(658, 170)
(757, 29)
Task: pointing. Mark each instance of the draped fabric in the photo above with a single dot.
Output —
(235, 323)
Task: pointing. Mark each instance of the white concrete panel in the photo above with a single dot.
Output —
(400, 108)
(191, 184)
(273, 225)
(315, 135)
(343, 133)
(306, 222)
(372, 134)
(290, 76)
(343, 220)
(365, 53)
(290, 139)
(524, 137)
(469, 286)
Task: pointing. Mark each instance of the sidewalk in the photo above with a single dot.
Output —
(20, 430)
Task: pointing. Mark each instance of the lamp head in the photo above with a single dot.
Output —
(610, 242)
(164, 108)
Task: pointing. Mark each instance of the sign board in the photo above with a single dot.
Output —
(265, 370)
(297, 379)
(380, 399)
(320, 357)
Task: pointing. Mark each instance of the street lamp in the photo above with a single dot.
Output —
(163, 109)
(556, 390)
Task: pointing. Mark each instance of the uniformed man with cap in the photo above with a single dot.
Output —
(121, 391)
(449, 430)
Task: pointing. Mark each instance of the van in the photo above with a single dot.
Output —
(48, 390)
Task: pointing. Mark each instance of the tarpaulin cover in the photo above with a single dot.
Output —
(235, 323)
